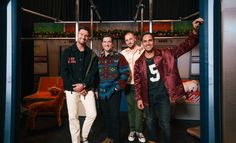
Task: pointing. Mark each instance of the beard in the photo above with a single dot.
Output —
(131, 46)
(149, 49)
(82, 41)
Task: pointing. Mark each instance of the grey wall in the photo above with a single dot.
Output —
(229, 70)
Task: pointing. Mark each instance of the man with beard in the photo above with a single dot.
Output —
(79, 72)
(132, 53)
(156, 78)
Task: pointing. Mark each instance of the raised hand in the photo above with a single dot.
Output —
(196, 25)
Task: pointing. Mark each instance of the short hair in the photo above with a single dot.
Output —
(131, 32)
(84, 28)
(147, 33)
(107, 35)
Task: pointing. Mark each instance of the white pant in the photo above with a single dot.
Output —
(88, 101)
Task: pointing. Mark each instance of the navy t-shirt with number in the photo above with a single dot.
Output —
(156, 87)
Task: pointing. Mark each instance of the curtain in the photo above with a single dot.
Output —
(112, 9)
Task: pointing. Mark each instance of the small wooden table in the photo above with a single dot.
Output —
(194, 131)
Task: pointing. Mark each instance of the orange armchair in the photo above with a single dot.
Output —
(43, 93)
(49, 97)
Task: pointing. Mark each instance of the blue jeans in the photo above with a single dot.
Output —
(159, 108)
(111, 110)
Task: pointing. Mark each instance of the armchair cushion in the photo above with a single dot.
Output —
(54, 90)
(48, 87)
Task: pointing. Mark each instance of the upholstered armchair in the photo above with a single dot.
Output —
(43, 91)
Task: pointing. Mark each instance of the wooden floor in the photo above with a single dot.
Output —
(47, 131)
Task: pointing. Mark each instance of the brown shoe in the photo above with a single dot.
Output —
(151, 142)
(107, 140)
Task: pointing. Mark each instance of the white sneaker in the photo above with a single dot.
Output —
(131, 136)
(141, 137)
(85, 141)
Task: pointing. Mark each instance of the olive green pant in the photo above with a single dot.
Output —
(135, 115)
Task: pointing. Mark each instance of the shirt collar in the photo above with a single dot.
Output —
(110, 54)
(75, 48)
(138, 49)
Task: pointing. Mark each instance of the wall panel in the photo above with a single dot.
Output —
(229, 69)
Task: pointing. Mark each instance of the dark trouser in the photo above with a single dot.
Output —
(111, 110)
(159, 108)
(135, 115)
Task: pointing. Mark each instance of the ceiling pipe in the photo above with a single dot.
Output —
(150, 15)
(39, 14)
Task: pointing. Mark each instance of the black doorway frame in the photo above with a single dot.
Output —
(210, 72)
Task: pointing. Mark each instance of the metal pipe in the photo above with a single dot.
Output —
(39, 14)
(150, 15)
(191, 15)
(91, 26)
(76, 19)
(138, 7)
(93, 8)
(142, 7)
(44, 38)
(96, 11)
(70, 38)
(179, 37)
(77, 10)
(128, 21)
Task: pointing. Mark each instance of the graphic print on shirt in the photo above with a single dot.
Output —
(155, 73)
(71, 60)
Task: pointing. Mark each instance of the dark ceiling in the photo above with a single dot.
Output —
(112, 9)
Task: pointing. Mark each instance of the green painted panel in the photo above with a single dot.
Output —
(182, 26)
(48, 27)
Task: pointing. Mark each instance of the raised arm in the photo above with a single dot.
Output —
(196, 25)
(190, 42)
